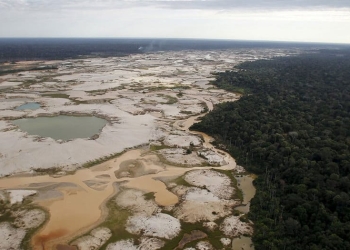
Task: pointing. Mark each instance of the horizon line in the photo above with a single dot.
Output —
(187, 38)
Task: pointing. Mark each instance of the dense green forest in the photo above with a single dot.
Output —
(292, 128)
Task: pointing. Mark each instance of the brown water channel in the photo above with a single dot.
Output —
(80, 205)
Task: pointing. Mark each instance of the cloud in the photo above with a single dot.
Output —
(174, 4)
(253, 4)
(292, 20)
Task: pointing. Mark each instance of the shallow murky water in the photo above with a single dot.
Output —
(242, 243)
(245, 183)
(62, 127)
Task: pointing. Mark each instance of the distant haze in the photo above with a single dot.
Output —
(274, 20)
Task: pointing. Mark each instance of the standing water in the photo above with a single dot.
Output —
(62, 127)
(29, 105)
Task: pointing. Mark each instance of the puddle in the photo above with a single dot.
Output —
(62, 127)
(245, 183)
(242, 243)
(29, 105)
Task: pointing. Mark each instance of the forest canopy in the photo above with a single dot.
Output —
(292, 128)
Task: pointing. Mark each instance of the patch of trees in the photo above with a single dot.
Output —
(13, 49)
(292, 128)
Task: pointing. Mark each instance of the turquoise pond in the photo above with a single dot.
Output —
(62, 127)
(29, 105)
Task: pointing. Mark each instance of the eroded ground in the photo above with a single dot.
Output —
(148, 183)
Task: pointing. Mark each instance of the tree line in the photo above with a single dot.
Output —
(292, 128)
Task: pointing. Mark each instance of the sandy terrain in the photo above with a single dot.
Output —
(182, 157)
(145, 244)
(212, 157)
(204, 245)
(29, 219)
(19, 195)
(159, 225)
(216, 183)
(149, 101)
(95, 240)
(123, 244)
(124, 90)
(201, 205)
(11, 237)
(232, 226)
(182, 141)
(135, 201)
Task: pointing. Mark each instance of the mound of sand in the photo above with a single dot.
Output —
(203, 206)
(180, 156)
(204, 245)
(133, 169)
(225, 241)
(134, 200)
(19, 195)
(159, 225)
(182, 140)
(95, 240)
(232, 226)
(122, 245)
(217, 183)
(28, 219)
(151, 243)
(145, 244)
(212, 157)
(11, 237)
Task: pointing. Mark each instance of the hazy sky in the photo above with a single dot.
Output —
(283, 20)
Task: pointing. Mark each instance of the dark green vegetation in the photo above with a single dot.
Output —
(14, 49)
(56, 95)
(292, 128)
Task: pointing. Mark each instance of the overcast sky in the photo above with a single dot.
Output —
(277, 20)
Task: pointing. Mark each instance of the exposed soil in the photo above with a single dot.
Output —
(153, 105)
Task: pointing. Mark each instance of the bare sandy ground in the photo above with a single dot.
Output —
(95, 240)
(128, 91)
(11, 237)
(232, 226)
(149, 99)
(135, 201)
(145, 244)
(159, 225)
